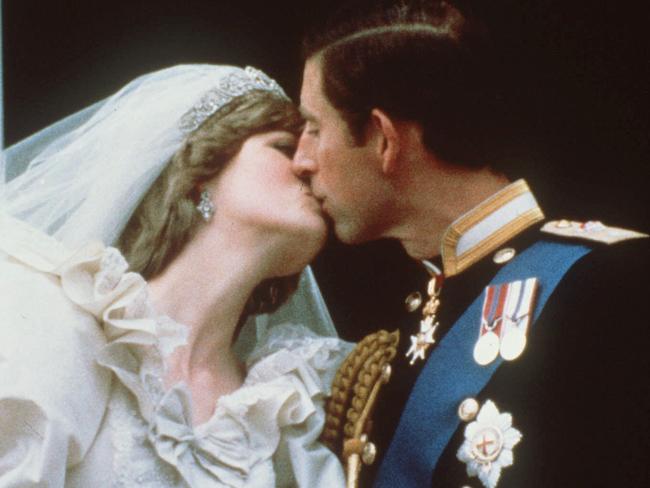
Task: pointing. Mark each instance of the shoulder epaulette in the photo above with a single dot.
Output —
(592, 230)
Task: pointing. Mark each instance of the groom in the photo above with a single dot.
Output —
(528, 367)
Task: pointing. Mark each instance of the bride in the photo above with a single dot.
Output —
(186, 369)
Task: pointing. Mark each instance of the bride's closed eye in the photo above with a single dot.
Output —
(288, 148)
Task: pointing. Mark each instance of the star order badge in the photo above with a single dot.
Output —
(488, 444)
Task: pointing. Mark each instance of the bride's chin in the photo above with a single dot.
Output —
(311, 228)
(316, 237)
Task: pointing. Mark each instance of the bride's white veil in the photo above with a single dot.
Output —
(81, 178)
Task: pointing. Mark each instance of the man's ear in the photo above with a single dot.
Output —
(388, 139)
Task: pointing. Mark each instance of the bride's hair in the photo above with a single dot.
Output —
(167, 218)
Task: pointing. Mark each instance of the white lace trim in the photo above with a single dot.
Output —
(134, 461)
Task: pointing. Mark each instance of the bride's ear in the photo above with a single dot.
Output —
(387, 139)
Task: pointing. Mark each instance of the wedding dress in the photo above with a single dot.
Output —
(82, 402)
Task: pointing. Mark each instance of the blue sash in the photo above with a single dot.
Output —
(450, 375)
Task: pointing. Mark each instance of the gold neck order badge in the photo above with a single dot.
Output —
(424, 339)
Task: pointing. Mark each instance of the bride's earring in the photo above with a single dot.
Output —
(205, 206)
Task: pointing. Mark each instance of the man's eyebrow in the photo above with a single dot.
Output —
(307, 115)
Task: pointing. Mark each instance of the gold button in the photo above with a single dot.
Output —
(386, 372)
(413, 301)
(504, 255)
(468, 409)
(369, 453)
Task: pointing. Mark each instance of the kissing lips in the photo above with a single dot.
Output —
(313, 200)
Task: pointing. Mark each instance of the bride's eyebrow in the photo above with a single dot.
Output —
(284, 136)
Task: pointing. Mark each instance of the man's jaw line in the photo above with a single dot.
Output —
(418, 242)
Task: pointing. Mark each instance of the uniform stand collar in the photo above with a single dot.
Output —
(487, 226)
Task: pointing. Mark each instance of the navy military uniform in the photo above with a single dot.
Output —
(578, 393)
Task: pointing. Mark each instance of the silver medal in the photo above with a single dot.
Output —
(513, 344)
(486, 348)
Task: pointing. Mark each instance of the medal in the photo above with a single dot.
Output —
(486, 348)
(519, 306)
(505, 318)
(513, 344)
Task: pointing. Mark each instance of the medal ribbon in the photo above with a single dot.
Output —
(493, 308)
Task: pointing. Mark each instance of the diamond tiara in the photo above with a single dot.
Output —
(233, 85)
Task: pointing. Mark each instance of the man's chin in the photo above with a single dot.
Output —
(349, 233)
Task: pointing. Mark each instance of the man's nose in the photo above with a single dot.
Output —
(304, 163)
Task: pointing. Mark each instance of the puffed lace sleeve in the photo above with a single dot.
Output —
(52, 393)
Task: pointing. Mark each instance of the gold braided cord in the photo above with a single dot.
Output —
(338, 402)
(366, 388)
(353, 384)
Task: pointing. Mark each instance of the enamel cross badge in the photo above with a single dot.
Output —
(505, 317)
(424, 339)
(488, 444)
(421, 341)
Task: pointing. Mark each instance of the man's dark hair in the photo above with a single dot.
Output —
(421, 61)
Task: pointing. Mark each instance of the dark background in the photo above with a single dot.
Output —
(582, 71)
